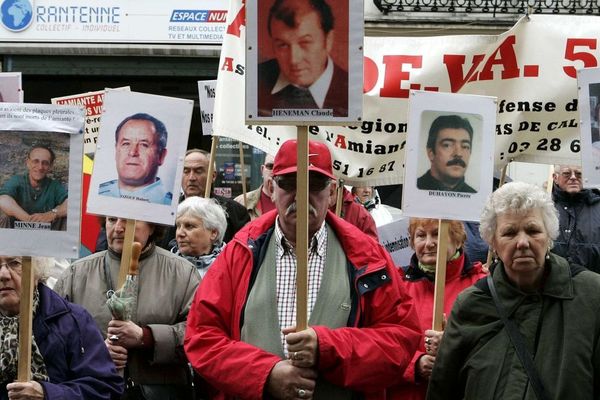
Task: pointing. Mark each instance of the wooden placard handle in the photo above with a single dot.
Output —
(440, 275)
(126, 253)
(25, 321)
(211, 166)
(302, 230)
(136, 250)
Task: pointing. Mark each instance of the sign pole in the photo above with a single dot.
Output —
(440, 275)
(126, 252)
(25, 321)
(302, 230)
(243, 174)
(211, 166)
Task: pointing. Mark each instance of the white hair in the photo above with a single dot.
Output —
(211, 213)
(518, 197)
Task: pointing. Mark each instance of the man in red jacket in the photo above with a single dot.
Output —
(363, 329)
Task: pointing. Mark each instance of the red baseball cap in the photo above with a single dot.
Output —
(319, 159)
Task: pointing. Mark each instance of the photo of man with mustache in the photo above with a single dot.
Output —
(449, 149)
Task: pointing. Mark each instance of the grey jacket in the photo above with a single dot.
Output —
(167, 284)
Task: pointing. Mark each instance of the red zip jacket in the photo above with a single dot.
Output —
(367, 356)
(460, 274)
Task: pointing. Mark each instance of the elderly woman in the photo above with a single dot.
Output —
(149, 346)
(533, 301)
(420, 279)
(201, 225)
(69, 358)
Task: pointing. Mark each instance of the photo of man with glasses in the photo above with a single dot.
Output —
(33, 200)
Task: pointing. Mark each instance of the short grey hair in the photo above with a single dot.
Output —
(518, 197)
(41, 267)
(211, 213)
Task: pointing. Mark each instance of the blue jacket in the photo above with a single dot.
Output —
(77, 360)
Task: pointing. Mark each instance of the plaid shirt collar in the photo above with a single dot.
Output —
(318, 243)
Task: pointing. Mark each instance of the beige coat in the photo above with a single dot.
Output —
(167, 284)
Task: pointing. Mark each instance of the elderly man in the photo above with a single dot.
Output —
(140, 148)
(193, 183)
(302, 75)
(241, 335)
(34, 197)
(449, 150)
(579, 218)
(259, 201)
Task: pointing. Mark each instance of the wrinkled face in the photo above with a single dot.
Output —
(425, 242)
(10, 285)
(521, 242)
(38, 164)
(193, 239)
(450, 157)
(137, 154)
(284, 197)
(301, 52)
(195, 172)
(115, 233)
(364, 193)
(569, 178)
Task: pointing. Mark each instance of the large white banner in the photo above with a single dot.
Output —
(532, 70)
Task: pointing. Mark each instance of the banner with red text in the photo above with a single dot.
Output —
(531, 69)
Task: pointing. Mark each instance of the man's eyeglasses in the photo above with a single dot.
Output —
(269, 166)
(316, 182)
(568, 174)
(13, 265)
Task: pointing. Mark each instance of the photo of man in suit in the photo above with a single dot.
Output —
(449, 149)
(302, 75)
(140, 148)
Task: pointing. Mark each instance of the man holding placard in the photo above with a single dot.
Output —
(140, 148)
(33, 200)
(449, 150)
(241, 334)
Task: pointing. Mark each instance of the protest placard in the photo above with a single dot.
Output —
(40, 181)
(139, 156)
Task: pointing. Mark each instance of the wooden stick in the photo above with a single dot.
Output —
(339, 198)
(440, 275)
(126, 253)
(25, 321)
(550, 181)
(243, 174)
(488, 261)
(302, 230)
(211, 166)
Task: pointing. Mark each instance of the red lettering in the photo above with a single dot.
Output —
(454, 66)
(227, 64)
(508, 59)
(340, 142)
(235, 27)
(394, 75)
(370, 74)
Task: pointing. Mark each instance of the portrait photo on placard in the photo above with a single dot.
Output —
(139, 156)
(589, 112)
(449, 152)
(302, 60)
(40, 179)
(34, 180)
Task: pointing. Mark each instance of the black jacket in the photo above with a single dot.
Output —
(579, 227)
